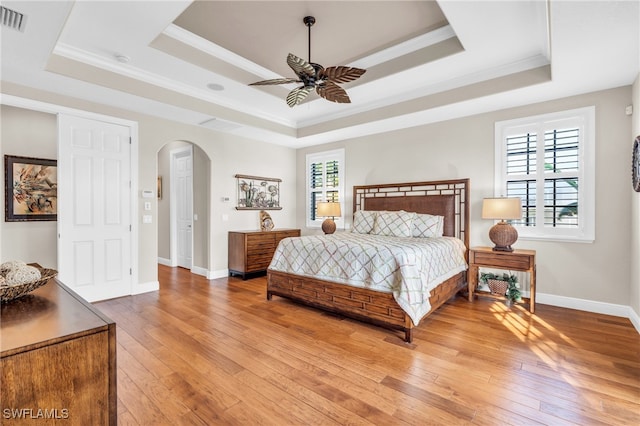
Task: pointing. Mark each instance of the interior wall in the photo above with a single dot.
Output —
(464, 148)
(635, 210)
(201, 202)
(28, 134)
(229, 154)
(164, 204)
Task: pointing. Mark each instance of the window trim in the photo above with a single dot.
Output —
(585, 117)
(334, 154)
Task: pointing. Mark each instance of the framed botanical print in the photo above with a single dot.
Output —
(257, 193)
(31, 189)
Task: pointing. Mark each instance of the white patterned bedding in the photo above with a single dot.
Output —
(407, 267)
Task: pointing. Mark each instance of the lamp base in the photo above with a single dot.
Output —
(328, 226)
(503, 235)
(501, 248)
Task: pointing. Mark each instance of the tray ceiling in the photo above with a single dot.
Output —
(426, 61)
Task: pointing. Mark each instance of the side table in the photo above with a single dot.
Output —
(518, 260)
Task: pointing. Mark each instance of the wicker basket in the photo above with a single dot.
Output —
(8, 293)
(498, 287)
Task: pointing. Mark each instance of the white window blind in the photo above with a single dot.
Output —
(548, 162)
(325, 182)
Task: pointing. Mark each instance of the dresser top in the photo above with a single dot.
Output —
(257, 231)
(49, 314)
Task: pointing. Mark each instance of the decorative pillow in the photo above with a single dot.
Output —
(363, 221)
(396, 224)
(428, 226)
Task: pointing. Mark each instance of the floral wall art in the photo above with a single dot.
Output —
(31, 189)
(257, 193)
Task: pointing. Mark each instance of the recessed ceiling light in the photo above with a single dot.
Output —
(122, 58)
(215, 86)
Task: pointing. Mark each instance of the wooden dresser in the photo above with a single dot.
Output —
(252, 251)
(58, 360)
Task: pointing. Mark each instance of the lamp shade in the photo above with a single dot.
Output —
(502, 208)
(327, 209)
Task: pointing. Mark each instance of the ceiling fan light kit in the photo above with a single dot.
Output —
(314, 76)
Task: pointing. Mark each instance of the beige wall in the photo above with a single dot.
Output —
(201, 203)
(28, 134)
(465, 148)
(635, 212)
(459, 148)
(228, 154)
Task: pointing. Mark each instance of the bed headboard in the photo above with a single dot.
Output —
(448, 198)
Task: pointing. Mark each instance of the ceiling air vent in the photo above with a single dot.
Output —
(218, 124)
(12, 19)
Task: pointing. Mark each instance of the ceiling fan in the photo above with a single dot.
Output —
(315, 76)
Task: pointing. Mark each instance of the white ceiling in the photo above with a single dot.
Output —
(426, 61)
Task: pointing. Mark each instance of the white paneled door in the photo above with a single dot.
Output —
(182, 204)
(94, 207)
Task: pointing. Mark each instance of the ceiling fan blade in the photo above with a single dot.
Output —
(342, 74)
(298, 95)
(332, 92)
(275, 81)
(300, 66)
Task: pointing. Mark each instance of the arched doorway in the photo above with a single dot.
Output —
(181, 225)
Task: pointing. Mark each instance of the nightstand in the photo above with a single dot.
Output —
(517, 260)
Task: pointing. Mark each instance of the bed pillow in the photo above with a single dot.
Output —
(363, 221)
(428, 226)
(396, 224)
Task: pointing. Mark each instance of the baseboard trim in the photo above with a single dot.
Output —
(165, 262)
(590, 306)
(200, 271)
(210, 275)
(221, 273)
(635, 319)
(145, 287)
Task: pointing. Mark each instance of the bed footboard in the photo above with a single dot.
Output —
(355, 302)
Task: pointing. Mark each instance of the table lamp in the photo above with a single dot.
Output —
(502, 234)
(330, 211)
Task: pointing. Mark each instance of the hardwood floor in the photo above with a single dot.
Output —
(217, 352)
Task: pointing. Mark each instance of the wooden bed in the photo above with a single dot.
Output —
(448, 198)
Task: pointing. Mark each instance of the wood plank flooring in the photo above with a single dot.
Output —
(202, 352)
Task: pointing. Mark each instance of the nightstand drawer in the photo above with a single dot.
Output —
(502, 260)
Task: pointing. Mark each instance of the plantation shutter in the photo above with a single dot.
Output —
(550, 187)
(324, 181)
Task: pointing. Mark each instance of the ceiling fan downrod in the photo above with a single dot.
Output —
(309, 21)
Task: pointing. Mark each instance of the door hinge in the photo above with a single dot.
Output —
(130, 228)
(130, 271)
(129, 140)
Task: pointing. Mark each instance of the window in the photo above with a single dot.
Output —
(548, 161)
(325, 182)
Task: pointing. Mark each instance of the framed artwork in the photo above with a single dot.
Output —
(257, 193)
(31, 186)
(635, 165)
